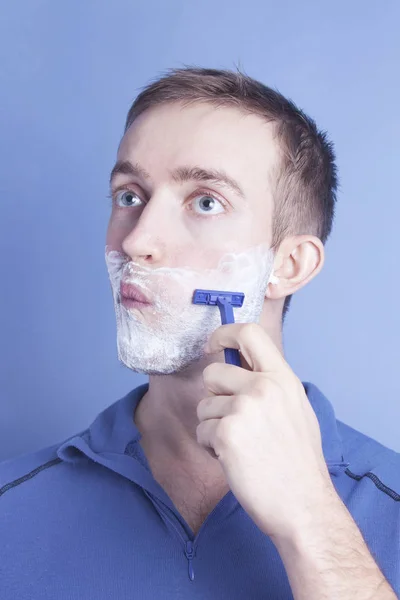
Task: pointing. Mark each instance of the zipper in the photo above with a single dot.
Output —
(189, 551)
(188, 544)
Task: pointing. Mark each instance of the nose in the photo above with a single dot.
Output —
(152, 231)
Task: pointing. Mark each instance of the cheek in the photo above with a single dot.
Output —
(216, 249)
(118, 229)
(110, 234)
(112, 238)
(202, 259)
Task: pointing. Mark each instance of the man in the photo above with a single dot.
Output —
(213, 480)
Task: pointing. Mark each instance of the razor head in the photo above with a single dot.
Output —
(210, 297)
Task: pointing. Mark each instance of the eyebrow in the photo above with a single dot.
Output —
(181, 175)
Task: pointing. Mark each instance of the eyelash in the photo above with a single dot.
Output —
(198, 193)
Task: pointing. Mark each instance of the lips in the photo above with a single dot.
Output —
(131, 292)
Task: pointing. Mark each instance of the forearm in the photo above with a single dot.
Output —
(328, 558)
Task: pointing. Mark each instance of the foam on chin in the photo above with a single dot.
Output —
(170, 334)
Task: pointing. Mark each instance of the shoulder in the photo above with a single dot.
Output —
(369, 485)
(24, 472)
(17, 471)
(371, 460)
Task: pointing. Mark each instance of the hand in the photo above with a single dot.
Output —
(259, 423)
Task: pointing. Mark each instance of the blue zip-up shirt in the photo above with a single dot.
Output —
(85, 519)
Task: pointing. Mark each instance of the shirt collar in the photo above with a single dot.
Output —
(331, 440)
(114, 428)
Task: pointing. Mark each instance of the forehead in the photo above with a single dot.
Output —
(172, 135)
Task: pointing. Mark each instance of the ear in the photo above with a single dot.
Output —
(298, 260)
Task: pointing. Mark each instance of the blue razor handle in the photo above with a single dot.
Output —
(232, 356)
(225, 302)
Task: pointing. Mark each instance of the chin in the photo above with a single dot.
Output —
(153, 365)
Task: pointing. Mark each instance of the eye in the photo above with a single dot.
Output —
(207, 202)
(126, 198)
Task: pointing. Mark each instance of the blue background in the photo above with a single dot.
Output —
(69, 72)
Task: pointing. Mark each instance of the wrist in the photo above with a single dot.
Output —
(312, 525)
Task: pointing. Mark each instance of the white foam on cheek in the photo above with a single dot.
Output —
(169, 335)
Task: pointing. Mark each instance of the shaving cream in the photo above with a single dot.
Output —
(169, 335)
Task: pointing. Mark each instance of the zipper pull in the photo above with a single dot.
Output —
(190, 555)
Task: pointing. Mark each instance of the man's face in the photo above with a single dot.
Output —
(171, 233)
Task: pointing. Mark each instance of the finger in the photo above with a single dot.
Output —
(214, 407)
(256, 346)
(225, 379)
(206, 433)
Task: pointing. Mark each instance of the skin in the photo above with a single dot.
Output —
(193, 419)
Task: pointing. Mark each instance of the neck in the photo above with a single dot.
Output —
(167, 414)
